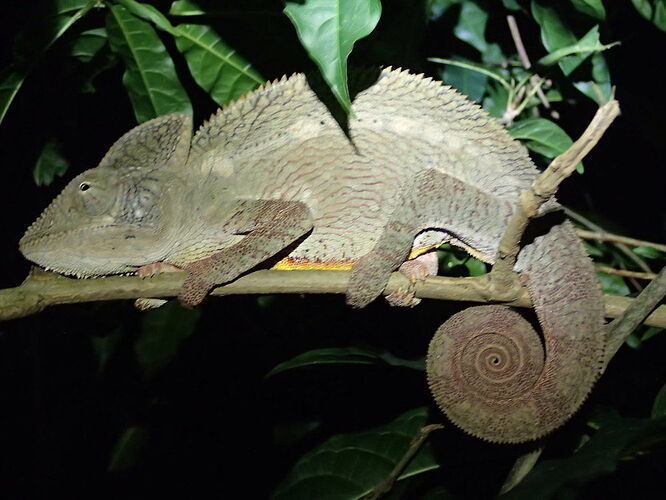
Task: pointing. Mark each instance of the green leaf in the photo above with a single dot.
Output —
(288, 433)
(496, 100)
(148, 13)
(617, 440)
(50, 163)
(594, 8)
(343, 356)
(599, 90)
(127, 449)
(436, 8)
(659, 405)
(542, 136)
(652, 10)
(185, 8)
(511, 4)
(215, 66)
(586, 45)
(349, 466)
(105, 347)
(650, 332)
(454, 261)
(150, 76)
(40, 34)
(613, 284)
(162, 331)
(469, 82)
(88, 44)
(471, 26)
(328, 30)
(556, 35)
(11, 80)
(648, 252)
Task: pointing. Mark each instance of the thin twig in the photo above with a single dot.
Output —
(646, 302)
(543, 188)
(621, 246)
(616, 238)
(518, 42)
(626, 273)
(387, 484)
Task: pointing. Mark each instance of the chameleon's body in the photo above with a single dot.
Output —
(273, 174)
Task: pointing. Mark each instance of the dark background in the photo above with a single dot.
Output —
(211, 414)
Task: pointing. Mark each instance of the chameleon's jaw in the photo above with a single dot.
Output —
(69, 253)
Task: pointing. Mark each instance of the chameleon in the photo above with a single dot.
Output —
(273, 180)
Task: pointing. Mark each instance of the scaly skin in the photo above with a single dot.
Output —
(274, 173)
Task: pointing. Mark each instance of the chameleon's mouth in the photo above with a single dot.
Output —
(69, 252)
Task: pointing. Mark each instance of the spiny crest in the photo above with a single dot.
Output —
(264, 87)
(245, 110)
(155, 143)
(425, 87)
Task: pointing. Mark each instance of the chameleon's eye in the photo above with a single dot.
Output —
(84, 186)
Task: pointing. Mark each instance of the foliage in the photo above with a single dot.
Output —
(185, 55)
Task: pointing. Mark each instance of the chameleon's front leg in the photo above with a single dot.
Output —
(269, 226)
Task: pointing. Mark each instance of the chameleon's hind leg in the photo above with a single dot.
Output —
(269, 226)
(371, 273)
(430, 200)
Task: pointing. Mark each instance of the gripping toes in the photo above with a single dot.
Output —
(367, 282)
(194, 290)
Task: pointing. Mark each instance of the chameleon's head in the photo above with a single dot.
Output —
(109, 219)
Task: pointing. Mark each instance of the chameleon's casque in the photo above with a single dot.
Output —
(274, 176)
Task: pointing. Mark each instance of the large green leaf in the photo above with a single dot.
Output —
(328, 30)
(617, 441)
(542, 136)
(45, 29)
(343, 356)
(215, 66)
(150, 76)
(349, 466)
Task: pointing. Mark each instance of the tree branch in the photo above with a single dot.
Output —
(640, 307)
(43, 289)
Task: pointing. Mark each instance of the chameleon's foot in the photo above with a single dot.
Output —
(193, 292)
(416, 269)
(368, 279)
(156, 268)
(196, 285)
(148, 271)
(144, 304)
